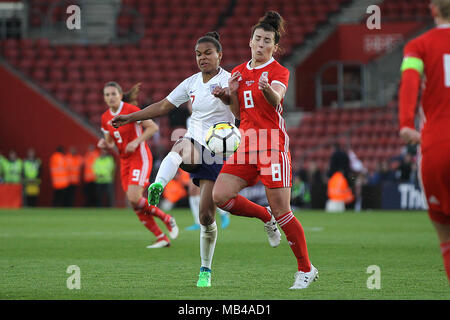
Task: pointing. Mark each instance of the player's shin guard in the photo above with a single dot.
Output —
(296, 239)
(208, 237)
(241, 206)
(445, 249)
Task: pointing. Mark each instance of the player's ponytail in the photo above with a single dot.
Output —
(130, 96)
(272, 21)
(212, 37)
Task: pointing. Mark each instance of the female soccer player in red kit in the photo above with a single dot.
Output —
(256, 90)
(429, 56)
(135, 158)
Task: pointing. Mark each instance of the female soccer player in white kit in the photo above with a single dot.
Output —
(209, 97)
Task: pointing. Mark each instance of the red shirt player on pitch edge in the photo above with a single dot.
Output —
(428, 56)
(135, 159)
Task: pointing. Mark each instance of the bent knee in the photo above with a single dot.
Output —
(206, 217)
(222, 195)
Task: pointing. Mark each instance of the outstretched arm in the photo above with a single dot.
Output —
(152, 111)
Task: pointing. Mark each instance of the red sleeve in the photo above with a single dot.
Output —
(237, 68)
(409, 87)
(280, 75)
(409, 91)
(414, 48)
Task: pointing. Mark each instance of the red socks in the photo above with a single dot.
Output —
(149, 222)
(296, 239)
(241, 206)
(292, 228)
(145, 213)
(152, 210)
(445, 249)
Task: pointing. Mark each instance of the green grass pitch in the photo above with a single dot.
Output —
(109, 247)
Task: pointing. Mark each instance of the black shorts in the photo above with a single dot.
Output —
(210, 165)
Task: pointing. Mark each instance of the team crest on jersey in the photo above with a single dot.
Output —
(213, 86)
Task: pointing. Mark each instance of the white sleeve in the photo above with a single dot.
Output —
(179, 95)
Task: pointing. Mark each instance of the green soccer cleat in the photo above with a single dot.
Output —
(154, 193)
(204, 278)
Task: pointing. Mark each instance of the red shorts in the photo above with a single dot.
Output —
(435, 174)
(274, 168)
(136, 170)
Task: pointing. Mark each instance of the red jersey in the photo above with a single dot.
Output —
(125, 134)
(433, 48)
(256, 113)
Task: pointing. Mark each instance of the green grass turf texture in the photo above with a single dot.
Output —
(109, 246)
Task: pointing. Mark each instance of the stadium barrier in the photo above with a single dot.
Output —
(394, 196)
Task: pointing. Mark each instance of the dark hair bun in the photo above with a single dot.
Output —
(213, 34)
(272, 18)
(212, 37)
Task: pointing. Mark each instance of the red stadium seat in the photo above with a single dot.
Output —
(165, 56)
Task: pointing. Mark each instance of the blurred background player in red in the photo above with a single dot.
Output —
(257, 89)
(428, 56)
(135, 158)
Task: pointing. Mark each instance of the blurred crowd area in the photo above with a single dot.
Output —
(72, 174)
(89, 179)
(77, 179)
(402, 168)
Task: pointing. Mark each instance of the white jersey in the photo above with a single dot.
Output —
(206, 109)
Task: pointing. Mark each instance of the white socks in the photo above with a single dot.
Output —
(168, 168)
(208, 237)
(194, 204)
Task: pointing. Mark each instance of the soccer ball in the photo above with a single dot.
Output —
(223, 138)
